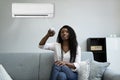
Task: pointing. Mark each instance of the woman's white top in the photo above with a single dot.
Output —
(56, 47)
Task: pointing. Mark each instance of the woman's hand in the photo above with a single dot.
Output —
(51, 33)
(60, 63)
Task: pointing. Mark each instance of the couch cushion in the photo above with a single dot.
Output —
(97, 69)
(46, 63)
(84, 70)
(4, 74)
(21, 66)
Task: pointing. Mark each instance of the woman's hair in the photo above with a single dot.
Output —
(72, 42)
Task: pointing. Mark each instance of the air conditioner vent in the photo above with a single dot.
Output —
(32, 10)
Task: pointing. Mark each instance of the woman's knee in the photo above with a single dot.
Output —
(73, 77)
(65, 68)
(56, 67)
(62, 76)
(69, 73)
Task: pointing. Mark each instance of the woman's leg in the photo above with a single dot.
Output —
(69, 73)
(55, 71)
(62, 76)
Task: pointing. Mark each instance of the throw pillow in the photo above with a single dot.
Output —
(83, 71)
(97, 69)
(3, 74)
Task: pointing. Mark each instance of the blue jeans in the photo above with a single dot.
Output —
(63, 73)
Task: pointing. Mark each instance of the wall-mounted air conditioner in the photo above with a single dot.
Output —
(42, 10)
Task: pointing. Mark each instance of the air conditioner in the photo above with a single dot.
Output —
(42, 10)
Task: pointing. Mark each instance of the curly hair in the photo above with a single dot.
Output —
(72, 42)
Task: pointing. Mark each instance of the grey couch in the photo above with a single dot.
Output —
(37, 66)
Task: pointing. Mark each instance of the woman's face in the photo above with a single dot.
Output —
(64, 34)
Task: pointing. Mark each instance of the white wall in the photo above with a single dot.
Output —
(89, 18)
(113, 53)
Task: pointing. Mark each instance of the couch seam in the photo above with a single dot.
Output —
(39, 67)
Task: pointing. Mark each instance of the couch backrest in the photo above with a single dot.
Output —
(21, 66)
(31, 66)
(87, 56)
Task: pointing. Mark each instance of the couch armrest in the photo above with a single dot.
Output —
(111, 75)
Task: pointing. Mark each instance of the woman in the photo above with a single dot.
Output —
(67, 54)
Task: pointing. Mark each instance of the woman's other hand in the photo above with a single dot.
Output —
(60, 63)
